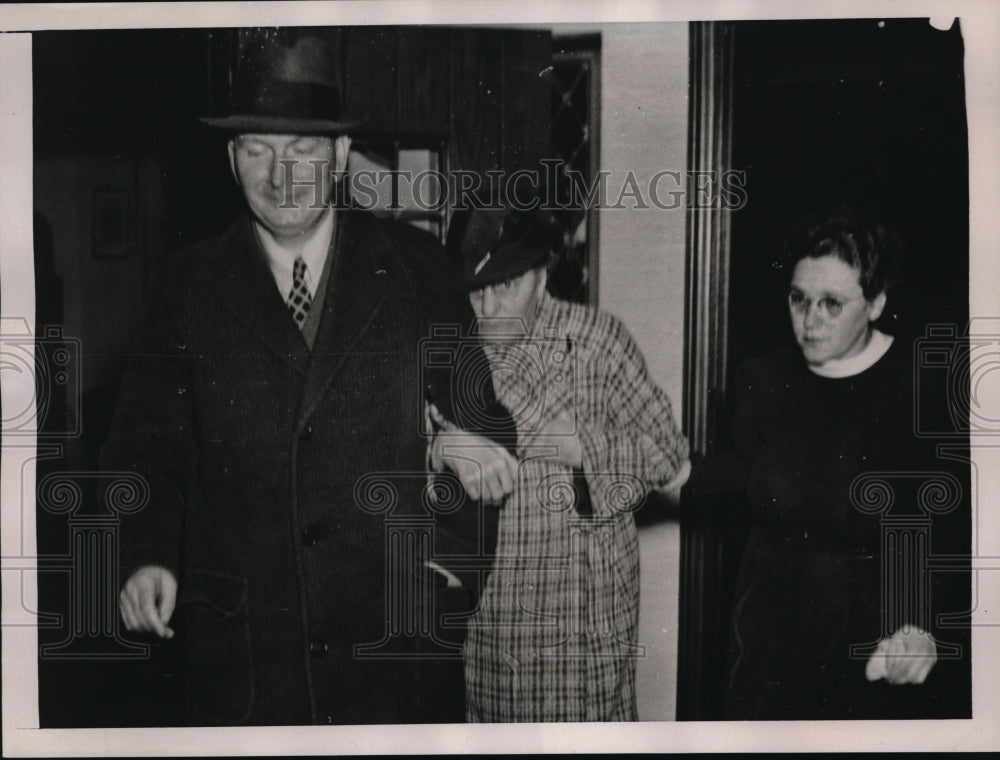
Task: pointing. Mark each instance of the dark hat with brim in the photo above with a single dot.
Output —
(286, 89)
(493, 245)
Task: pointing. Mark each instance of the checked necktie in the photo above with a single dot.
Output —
(299, 299)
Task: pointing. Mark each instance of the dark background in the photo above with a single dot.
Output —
(111, 110)
(865, 111)
(859, 110)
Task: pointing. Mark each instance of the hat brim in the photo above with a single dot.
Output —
(279, 125)
(499, 267)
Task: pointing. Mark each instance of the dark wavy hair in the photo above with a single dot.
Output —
(854, 237)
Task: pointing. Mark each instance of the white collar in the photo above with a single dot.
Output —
(878, 344)
(281, 260)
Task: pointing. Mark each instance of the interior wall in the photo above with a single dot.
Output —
(644, 113)
(67, 189)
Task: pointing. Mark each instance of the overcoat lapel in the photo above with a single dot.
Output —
(245, 287)
(355, 293)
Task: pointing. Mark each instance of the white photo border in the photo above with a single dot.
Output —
(21, 735)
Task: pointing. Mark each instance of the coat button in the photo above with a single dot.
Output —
(318, 647)
(307, 433)
(312, 534)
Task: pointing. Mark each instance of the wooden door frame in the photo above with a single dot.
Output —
(701, 634)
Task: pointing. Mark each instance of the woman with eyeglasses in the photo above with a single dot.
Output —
(835, 614)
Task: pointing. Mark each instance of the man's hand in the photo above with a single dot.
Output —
(560, 434)
(904, 657)
(147, 600)
(486, 470)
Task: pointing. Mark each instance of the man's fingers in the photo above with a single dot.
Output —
(506, 479)
(470, 478)
(901, 668)
(497, 491)
(923, 670)
(903, 658)
(127, 610)
(491, 502)
(512, 467)
(487, 471)
(489, 485)
(922, 645)
(135, 616)
(498, 478)
(876, 667)
(910, 656)
(130, 609)
(150, 589)
(167, 600)
(147, 600)
(506, 467)
(151, 616)
(894, 662)
(913, 669)
(912, 673)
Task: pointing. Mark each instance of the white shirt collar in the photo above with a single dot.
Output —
(281, 260)
(877, 346)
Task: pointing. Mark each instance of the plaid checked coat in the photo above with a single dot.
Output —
(554, 638)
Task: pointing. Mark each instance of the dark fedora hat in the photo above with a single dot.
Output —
(492, 245)
(285, 89)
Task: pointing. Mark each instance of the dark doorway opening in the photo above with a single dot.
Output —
(866, 110)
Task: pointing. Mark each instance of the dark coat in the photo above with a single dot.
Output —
(834, 476)
(280, 479)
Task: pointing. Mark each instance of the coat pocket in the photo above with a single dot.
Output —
(219, 663)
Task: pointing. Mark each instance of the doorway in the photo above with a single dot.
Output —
(812, 112)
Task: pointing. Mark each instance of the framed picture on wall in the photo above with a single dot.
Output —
(111, 224)
(402, 177)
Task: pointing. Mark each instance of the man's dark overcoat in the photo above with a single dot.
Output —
(281, 479)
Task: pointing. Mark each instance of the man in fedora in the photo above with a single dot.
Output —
(554, 638)
(276, 412)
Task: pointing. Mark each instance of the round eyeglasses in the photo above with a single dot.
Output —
(828, 306)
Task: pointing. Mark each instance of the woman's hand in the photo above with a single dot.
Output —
(905, 657)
